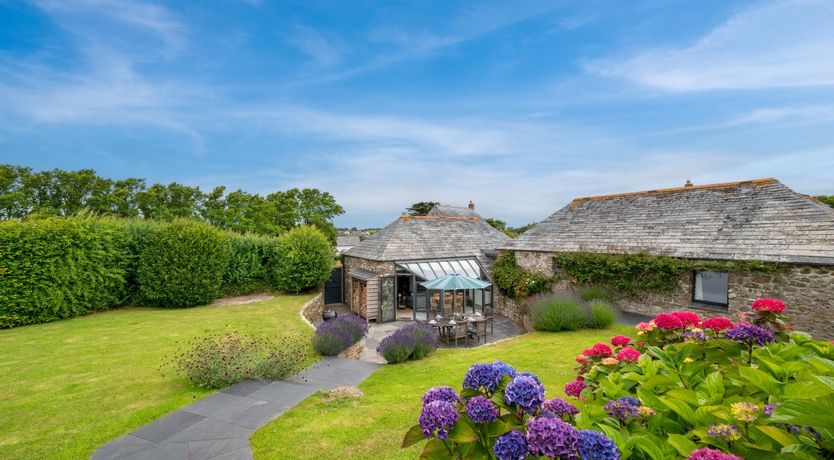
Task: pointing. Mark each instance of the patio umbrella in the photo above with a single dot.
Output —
(455, 282)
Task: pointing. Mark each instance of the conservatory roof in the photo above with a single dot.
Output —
(433, 269)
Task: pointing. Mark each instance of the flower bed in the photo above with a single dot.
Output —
(338, 334)
(413, 341)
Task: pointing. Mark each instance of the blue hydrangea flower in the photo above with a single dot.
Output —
(482, 375)
(504, 368)
(623, 408)
(525, 392)
(439, 416)
(552, 438)
(481, 410)
(511, 446)
(594, 445)
(440, 394)
(532, 376)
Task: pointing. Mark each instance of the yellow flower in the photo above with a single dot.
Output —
(688, 360)
(645, 411)
(744, 411)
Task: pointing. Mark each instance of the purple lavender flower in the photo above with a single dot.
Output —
(482, 375)
(481, 410)
(524, 391)
(504, 368)
(750, 333)
(440, 394)
(438, 416)
(559, 407)
(769, 408)
(623, 408)
(594, 445)
(552, 438)
(511, 446)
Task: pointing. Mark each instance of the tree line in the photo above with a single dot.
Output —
(25, 193)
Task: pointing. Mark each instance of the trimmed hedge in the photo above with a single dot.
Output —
(302, 259)
(246, 271)
(183, 265)
(62, 267)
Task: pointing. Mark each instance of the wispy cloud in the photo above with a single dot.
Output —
(323, 49)
(786, 43)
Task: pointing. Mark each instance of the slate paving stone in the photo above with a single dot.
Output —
(220, 405)
(218, 426)
(210, 429)
(166, 427)
(204, 450)
(246, 387)
(123, 447)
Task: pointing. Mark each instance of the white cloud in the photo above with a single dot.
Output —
(786, 43)
(325, 51)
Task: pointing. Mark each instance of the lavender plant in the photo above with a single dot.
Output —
(412, 341)
(337, 335)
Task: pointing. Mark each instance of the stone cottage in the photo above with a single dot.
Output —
(382, 273)
(758, 220)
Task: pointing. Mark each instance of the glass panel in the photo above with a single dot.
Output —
(711, 287)
(387, 309)
(457, 267)
(425, 271)
(471, 269)
(438, 272)
(447, 268)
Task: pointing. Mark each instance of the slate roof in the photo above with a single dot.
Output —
(753, 220)
(431, 237)
(347, 240)
(453, 211)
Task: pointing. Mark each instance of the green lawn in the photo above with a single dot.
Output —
(373, 427)
(70, 386)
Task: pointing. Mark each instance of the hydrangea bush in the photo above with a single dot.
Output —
(687, 387)
(503, 414)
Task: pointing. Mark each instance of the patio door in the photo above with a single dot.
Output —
(387, 298)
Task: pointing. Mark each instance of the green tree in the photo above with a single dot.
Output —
(169, 202)
(827, 199)
(421, 208)
(501, 226)
(302, 260)
(16, 199)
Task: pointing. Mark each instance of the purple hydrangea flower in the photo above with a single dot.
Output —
(594, 445)
(623, 408)
(482, 375)
(438, 416)
(552, 438)
(745, 332)
(532, 376)
(440, 394)
(511, 446)
(559, 407)
(769, 408)
(481, 410)
(524, 391)
(504, 368)
(696, 335)
(711, 454)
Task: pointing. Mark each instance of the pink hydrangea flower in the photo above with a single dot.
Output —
(581, 359)
(628, 354)
(687, 317)
(600, 350)
(771, 305)
(620, 340)
(668, 322)
(646, 327)
(717, 324)
(574, 388)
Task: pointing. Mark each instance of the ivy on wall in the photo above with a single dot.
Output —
(633, 273)
(516, 282)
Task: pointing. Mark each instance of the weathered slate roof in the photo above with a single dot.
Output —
(752, 220)
(347, 240)
(431, 237)
(453, 211)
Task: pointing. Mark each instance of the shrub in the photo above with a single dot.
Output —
(754, 389)
(217, 361)
(246, 271)
(595, 292)
(516, 282)
(558, 313)
(412, 341)
(600, 314)
(302, 259)
(338, 334)
(183, 265)
(504, 412)
(58, 268)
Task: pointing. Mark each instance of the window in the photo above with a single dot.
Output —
(710, 288)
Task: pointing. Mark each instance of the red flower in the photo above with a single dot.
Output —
(586, 352)
(628, 354)
(668, 322)
(771, 305)
(687, 317)
(600, 350)
(620, 340)
(717, 324)
(581, 359)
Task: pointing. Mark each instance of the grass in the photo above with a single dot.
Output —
(372, 427)
(70, 386)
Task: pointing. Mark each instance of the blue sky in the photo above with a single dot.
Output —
(518, 106)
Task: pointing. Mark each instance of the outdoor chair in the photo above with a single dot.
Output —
(458, 331)
(490, 319)
(477, 329)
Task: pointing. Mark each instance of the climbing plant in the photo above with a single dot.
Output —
(516, 282)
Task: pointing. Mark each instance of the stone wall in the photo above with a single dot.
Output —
(808, 291)
(312, 310)
(352, 263)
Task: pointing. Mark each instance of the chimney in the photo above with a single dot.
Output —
(688, 183)
(471, 205)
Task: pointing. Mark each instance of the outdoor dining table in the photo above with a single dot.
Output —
(444, 325)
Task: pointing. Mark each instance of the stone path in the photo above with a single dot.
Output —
(218, 426)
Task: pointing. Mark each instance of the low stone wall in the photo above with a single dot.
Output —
(515, 310)
(312, 310)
